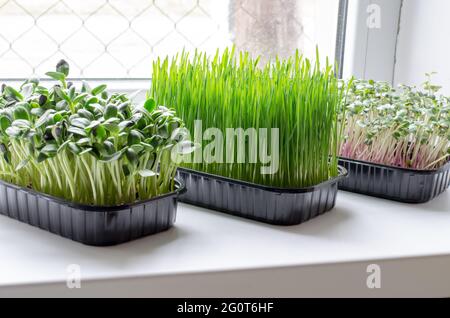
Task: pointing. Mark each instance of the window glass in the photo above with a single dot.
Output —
(120, 38)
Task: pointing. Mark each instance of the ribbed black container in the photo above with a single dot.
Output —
(398, 184)
(90, 225)
(266, 204)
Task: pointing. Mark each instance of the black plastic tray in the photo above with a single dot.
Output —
(393, 183)
(87, 224)
(266, 204)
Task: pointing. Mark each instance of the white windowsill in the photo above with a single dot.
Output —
(210, 253)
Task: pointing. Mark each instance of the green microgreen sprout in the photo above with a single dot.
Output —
(85, 145)
(405, 127)
(231, 90)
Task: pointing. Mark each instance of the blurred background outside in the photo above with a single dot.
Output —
(120, 38)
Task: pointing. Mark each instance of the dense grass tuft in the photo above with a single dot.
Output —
(231, 90)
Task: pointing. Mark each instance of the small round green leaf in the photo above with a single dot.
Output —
(63, 67)
(21, 112)
(150, 105)
(110, 111)
(5, 122)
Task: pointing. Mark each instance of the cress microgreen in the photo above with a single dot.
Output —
(406, 127)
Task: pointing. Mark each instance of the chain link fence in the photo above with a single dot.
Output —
(120, 38)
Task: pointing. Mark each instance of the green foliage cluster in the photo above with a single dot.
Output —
(231, 90)
(85, 145)
(406, 127)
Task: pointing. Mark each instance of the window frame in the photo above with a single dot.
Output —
(371, 52)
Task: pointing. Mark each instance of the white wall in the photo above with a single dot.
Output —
(370, 50)
(424, 42)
